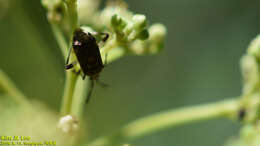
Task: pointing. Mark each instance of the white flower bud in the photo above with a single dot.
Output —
(139, 21)
(68, 124)
(157, 32)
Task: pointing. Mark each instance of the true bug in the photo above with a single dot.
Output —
(88, 55)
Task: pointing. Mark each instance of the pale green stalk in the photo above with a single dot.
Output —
(79, 97)
(68, 92)
(60, 39)
(169, 119)
(70, 80)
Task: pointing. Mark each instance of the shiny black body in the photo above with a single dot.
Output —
(87, 52)
(88, 55)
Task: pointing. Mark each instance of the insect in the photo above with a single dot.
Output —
(88, 55)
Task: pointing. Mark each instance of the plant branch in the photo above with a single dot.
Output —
(71, 78)
(9, 87)
(113, 55)
(60, 39)
(72, 14)
(79, 97)
(169, 119)
(68, 92)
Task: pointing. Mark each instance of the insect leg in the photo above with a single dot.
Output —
(67, 65)
(71, 65)
(105, 63)
(90, 90)
(68, 58)
(106, 35)
(83, 77)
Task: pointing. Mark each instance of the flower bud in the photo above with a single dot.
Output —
(143, 34)
(118, 23)
(140, 21)
(157, 32)
(68, 124)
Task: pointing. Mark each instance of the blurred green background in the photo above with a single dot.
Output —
(200, 64)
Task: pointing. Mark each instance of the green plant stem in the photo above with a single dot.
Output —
(113, 54)
(9, 87)
(78, 103)
(110, 45)
(82, 86)
(72, 14)
(70, 81)
(60, 39)
(112, 51)
(171, 118)
(79, 97)
(68, 92)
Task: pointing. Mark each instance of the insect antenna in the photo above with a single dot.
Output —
(102, 84)
(90, 90)
(105, 62)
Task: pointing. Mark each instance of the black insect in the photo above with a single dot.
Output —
(88, 55)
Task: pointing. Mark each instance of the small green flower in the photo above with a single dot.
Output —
(140, 21)
(118, 23)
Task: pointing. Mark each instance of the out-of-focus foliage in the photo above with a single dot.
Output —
(200, 64)
(36, 121)
(249, 136)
